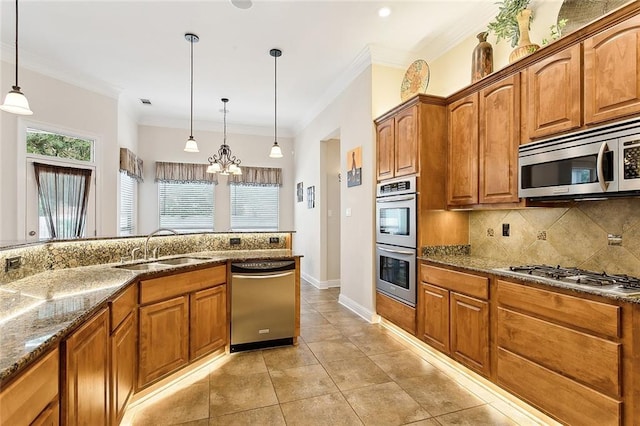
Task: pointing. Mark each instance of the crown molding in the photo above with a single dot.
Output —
(212, 126)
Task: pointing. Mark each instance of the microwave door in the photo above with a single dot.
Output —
(629, 163)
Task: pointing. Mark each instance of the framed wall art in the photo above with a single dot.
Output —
(311, 197)
(354, 164)
(300, 192)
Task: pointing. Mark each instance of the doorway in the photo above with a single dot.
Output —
(333, 185)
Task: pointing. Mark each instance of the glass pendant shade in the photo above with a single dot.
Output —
(213, 168)
(191, 145)
(16, 102)
(276, 152)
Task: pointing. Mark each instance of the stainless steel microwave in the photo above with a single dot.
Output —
(598, 163)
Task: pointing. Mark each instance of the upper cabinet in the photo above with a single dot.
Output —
(462, 176)
(398, 138)
(612, 72)
(552, 94)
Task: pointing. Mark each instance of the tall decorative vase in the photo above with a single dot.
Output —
(482, 59)
(525, 47)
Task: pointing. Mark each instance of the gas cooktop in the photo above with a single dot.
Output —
(623, 285)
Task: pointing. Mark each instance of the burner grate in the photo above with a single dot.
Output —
(578, 276)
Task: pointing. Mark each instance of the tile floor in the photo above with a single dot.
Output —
(344, 371)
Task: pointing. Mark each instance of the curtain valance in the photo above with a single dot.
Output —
(131, 164)
(266, 176)
(184, 172)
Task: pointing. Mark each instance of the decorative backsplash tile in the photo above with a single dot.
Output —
(575, 236)
(70, 254)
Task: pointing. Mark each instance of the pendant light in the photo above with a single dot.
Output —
(15, 101)
(224, 162)
(191, 145)
(276, 152)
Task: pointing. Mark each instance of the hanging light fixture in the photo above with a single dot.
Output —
(191, 145)
(276, 152)
(224, 162)
(15, 101)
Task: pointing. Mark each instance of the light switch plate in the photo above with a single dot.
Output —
(347, 211)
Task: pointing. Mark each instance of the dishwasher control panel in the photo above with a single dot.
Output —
(263, 266)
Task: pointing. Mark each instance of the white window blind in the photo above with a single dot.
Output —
(254, 207)
(128, 186)
(187, 206)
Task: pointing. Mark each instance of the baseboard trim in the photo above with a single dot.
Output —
(321, 285)
(357, 308)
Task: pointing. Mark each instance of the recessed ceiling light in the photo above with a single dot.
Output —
(242, 4)
(383, 12)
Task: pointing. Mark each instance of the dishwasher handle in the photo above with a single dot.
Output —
(260, 276)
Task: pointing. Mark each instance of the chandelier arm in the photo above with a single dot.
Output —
(17, 85)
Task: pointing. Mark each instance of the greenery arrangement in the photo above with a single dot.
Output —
(505, 25)
(556, 31)
(54, 145)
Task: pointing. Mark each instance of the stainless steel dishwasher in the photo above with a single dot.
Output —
(263, 299)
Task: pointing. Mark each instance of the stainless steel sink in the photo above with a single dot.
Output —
(180, 261)
(142, 266)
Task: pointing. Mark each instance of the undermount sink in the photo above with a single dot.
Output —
(180, 260)
(141, 266)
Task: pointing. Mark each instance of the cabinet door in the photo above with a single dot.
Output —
(470, 332)
(49, 417)
(462, 167)
(612, 72)
(86, 385)
(208, 320)
(499, 141)
(406, 142)
(164, 338)
(433, 316)
(385, 150)
(554, 91)
(123, 366)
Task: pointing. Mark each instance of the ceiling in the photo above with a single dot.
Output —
(137, 49)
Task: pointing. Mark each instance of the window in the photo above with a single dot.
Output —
(186, 206)
(57, 145)
(128, 189)
(254, 207)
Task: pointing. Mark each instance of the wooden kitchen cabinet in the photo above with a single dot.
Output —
(164, 338)
(462, 171)
(32, 397)
(552, 94)
(612, 72)
(397, 149)
(208, 321)
(499, 139)
(453, 315)
(385, 148)
(85, 386)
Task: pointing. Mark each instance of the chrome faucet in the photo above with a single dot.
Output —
(157, 231)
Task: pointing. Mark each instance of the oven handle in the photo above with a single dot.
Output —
(600, 168)
(408, 253)
(394, 199)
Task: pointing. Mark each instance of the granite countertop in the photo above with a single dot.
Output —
(500, 269)
(38, 311)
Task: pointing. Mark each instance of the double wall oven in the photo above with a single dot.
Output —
(396, 239)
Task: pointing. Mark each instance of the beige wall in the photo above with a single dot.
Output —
(167, 144)
(333, 186)
(575, 236)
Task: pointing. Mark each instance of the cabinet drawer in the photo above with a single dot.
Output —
(28, 395)
(398, 313)
(460, 282)
(122, 305)
(174, 285)
(589, 315)
(555, 393)
(588, 359)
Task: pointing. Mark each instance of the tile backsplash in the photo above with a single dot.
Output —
(574, 236)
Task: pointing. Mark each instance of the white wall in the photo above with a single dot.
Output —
(59, 105)
(332, 209)
(167, 144)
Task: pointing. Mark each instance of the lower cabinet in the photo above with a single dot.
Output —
(85, 383)
(402, 315)
(32, 398)
(208, 321)
(451, 319)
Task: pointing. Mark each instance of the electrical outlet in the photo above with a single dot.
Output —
(234, 241)
(12, 263)
(505, 230)
(274, 240)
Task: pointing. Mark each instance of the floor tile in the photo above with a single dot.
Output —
(233, 393)
(319, 333)
(353, 328)
(372, 343)
(312, 319)
(320, 297)
(484, 415)
(288, 357)
(439, 394)
(331, 306)
(403, 365)
(271, 416)
(385, 404)
(186, 404)
(302, 382)
(426, 422)
(242, 363)
(342, 316)
(329, 410)
(356, 373)
(335, 350)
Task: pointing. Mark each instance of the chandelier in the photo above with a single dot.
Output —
(224, 162)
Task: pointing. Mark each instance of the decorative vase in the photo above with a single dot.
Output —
(525, 47)
(482, 59)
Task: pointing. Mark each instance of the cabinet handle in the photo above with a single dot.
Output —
(261, 277)
(408, 253)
